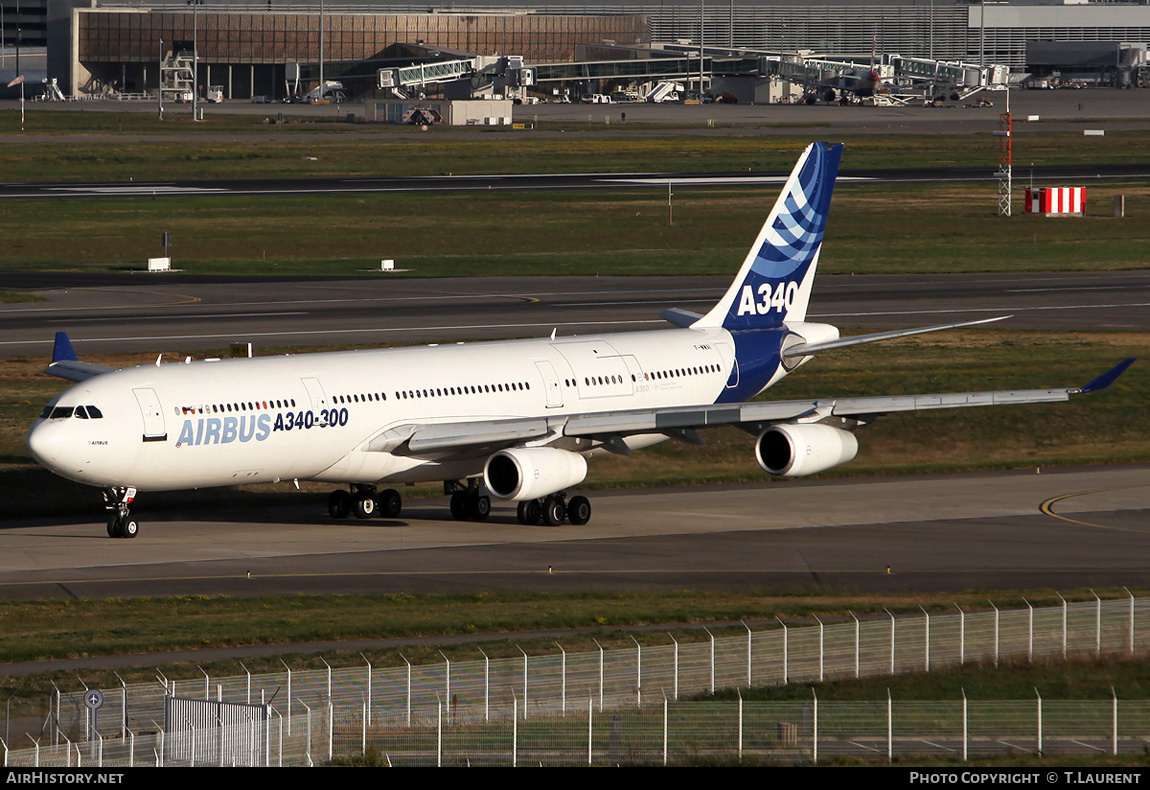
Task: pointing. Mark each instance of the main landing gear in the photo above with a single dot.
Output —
(365, 502)
(468, 503)
(120, 522)
(553, 510)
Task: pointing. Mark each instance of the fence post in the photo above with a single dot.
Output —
(858, 644)
(1131, 645)
(786, 650)
(676, 641)
(330, 729)
(563, 690)
(439, 733)
(926, 641)
(368, 717)
(712, 659)
(1114, 721)
(1063, 624)
(521, 650)
(965, 729)
(514, 730)
(748, 653)
(590, 725)
(638, 673)
(408, 688)
(664, 730)
(889, 728)
(486, 686)
(822, 662)
(891, 640)
(996, 618)
(1029, 632)
(740, 728)
(1097, 624)
(961, 634)
(596, 641)
(1039, 721)
(447, 682)
(288, 692)
(815, 728)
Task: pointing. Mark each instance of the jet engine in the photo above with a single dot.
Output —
(525, 473)
(797, 450)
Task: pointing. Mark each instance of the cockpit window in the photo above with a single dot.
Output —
(61, 412)
(81, 413)
(95, 413)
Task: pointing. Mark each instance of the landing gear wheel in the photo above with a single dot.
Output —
(390, 503)
(364, 505)
(129, 528)
(114, 526)
(530, 512)
(459, 505)
(554, 511)
(478, 508)
(339, 504)
(579, 510)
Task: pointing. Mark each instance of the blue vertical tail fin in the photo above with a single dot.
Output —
(774, 283)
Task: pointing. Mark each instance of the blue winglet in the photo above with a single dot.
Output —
(1107, 378)
(62, 351)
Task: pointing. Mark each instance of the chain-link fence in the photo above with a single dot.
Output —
(534, 699)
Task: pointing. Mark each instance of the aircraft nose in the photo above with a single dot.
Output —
(45, 443)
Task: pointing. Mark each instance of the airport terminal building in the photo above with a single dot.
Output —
(97, 46)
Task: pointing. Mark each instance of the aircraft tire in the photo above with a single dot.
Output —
(530, 512)
(390, 503)
(479, 508)
(114, 526)
(459, 505)
(364, 506)
(129, 527)
(579, 510)
(339, 504)
(554, 511)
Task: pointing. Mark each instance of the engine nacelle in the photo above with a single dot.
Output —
(797, 450)
(532, 472)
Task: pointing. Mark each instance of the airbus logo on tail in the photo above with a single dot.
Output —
(782, 299)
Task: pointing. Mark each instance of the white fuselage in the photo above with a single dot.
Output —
(315, 416)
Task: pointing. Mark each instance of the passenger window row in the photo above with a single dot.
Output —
(224, 408)
(681, 372)
(470, 389)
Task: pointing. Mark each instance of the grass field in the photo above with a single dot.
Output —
(872, 230)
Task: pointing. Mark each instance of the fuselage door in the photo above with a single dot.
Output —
(315, 393)
(550, 384)
(730, 362)
(154, 430)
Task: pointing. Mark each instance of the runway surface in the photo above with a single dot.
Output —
(520, 183)
(178, 314)
(939, 533)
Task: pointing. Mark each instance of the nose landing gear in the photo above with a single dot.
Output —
(120, 522)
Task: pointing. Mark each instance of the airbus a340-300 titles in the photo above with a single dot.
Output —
(515, 420)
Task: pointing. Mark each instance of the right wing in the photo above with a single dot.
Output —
(476, 437)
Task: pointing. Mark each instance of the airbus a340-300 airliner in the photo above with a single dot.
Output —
(515, 420)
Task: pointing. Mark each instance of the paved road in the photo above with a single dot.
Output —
(175, 313)
(938, 533)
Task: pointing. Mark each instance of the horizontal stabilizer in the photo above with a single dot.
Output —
(65, 364)
(807, 349)
(679, 317)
